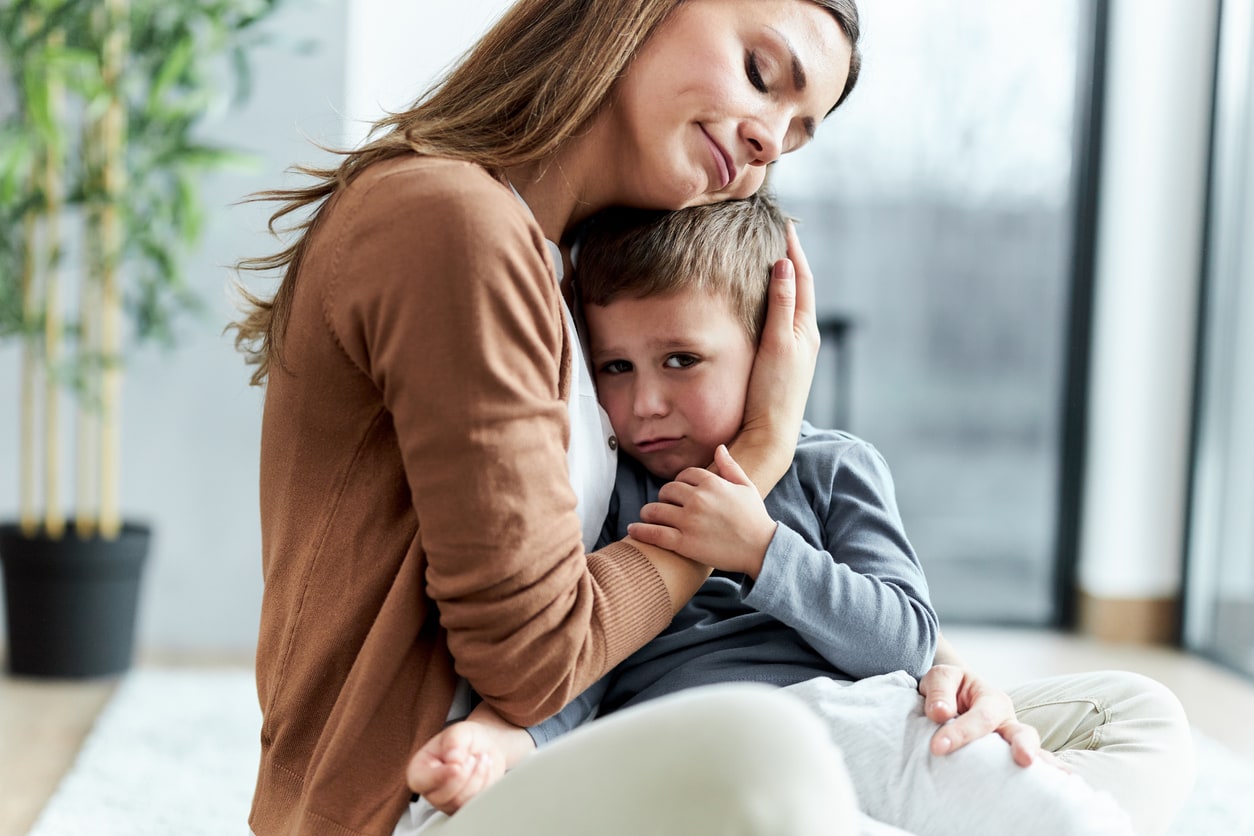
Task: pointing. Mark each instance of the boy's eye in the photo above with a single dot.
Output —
(615, 367)
(680, 361)
(754, 72)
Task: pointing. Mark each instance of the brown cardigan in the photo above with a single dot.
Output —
(417, 517)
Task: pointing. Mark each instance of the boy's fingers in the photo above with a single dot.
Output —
(662, 514)
(939, 688)
(476, 778)
(1053, 760)
(423, 774)
(661, 536)
(443, 785)
(1024, 740)
(729, 468)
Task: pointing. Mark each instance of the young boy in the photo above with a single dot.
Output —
(816, 588)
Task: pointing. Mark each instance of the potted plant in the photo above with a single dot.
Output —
(99, 173)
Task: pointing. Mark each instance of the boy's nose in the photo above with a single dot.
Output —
(649, 400)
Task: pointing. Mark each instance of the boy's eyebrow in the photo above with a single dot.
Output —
(663, 343)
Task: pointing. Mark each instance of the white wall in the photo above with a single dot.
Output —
(1152, 194)
(396, 49)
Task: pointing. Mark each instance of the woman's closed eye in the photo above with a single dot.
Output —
(754, 72)
(681, 361)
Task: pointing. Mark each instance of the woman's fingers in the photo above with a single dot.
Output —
(778, 330)
(804, 313)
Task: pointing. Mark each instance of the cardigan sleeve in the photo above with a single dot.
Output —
(443, 295)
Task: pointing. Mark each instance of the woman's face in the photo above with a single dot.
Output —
(722, 88)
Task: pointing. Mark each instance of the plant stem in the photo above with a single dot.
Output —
(28, 518)
(87, 419)
(113, 150)
(54, 511)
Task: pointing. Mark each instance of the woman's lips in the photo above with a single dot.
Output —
(722, 162)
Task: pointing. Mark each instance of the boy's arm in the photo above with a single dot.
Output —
(862, 601)
(577, 712)
(864, 605)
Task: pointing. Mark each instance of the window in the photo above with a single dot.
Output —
(937, 209)
(1219, 601)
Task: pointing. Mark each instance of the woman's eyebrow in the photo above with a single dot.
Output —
(798, 76)
(798, 71)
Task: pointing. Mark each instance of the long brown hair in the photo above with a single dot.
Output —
(529, 85)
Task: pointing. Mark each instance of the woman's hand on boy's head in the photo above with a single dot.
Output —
(714, 518)
(782, 369)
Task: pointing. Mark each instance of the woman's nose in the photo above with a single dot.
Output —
(765, 138)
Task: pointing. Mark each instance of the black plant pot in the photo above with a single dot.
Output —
(70, 602)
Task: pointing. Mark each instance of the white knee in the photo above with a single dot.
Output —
(761, 759)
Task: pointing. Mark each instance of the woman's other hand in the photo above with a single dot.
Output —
(782, 371)
(969, 708)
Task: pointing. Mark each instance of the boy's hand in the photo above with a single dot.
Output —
(952, 693)
(715, 518)
(456, 765)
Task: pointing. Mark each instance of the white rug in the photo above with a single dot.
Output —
(175, 752)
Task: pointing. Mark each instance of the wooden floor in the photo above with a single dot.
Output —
(42, 724)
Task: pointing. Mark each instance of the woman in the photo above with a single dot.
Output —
(434, 463)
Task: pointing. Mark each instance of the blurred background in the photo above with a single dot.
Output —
(1030, 227)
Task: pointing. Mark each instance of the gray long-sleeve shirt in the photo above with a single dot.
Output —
(841, 592)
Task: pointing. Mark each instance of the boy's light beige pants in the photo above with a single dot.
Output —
(745, 759)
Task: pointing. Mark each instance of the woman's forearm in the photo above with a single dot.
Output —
(764, 457)
(682, 577)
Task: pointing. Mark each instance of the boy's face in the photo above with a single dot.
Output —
(672, 372)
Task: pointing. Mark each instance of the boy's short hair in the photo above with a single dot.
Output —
(725, 248)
